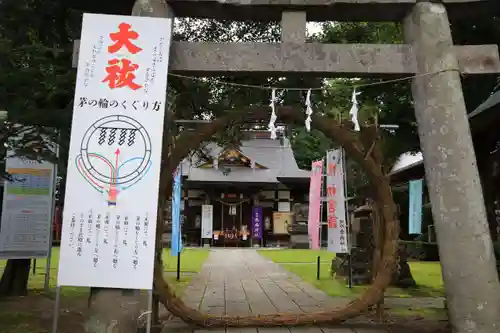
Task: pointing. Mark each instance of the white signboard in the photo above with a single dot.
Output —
(207, 221)
(109, 218)
(27, 206)
(284, 206)
(335, 199)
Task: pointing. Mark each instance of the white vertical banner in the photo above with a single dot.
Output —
(207, 221)
(28, 201)
(110, 209)
(335, 198)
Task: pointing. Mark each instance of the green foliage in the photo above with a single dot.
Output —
(206, 97)
(36, 80)
(484, 29)
(390, 103)
(308, 146)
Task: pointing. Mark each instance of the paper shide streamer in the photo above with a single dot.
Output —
(354, 110)
(272, 127)
(309, 110)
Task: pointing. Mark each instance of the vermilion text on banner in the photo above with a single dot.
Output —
(331, 192)
(123, 38)
(332, 169)
(121, 71)
(121, 74)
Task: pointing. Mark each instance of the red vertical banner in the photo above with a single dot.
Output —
(315, 204)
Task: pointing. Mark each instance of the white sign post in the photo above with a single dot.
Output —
(207, 221)
(27, 209)
(110, 209)
(335, 198)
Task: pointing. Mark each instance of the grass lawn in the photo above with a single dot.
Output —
(303, 264)
(191, 262)
(33, 314)
(287, 256)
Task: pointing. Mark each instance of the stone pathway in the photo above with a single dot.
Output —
(241, 282)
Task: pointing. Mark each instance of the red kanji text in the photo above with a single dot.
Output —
(123, 38)
(331, 191)
(121, 74)
(332, 169)
(332, 221)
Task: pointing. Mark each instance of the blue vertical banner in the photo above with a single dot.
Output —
(415, 206)
(176, 246)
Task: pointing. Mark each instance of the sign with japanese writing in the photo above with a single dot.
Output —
(28, 201)
(207, 221)
(110, 210)
(314, 204)
(415, 206)
(257, 224)
(335, 202)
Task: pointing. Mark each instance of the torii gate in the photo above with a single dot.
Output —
(457, 202)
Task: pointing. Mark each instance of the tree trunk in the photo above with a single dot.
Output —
(14, 280)
(114, 310)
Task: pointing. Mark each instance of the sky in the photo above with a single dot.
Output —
(313, 28)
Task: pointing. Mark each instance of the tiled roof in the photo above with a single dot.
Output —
(276, 155)
(409, 160)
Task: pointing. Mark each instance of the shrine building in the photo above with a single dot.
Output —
(261, 172)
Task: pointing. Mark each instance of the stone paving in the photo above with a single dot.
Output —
(241, 282)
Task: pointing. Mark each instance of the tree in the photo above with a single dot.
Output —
(36, 85)
(308, 147)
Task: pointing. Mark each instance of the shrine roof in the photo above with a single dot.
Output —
(480, 117)
(275, 156)
(270, 10)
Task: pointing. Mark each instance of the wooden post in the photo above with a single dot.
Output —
(378, 238)
(465, 247)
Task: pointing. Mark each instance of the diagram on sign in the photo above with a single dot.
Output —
(115, 155)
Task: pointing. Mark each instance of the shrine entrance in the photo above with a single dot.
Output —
(363, 153)
(433, 63)
(232, 212)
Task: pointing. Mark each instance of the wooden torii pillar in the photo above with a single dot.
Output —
(466, 251)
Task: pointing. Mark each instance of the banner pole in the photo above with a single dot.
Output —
(347, 216)
(179, 238)
(48, 262)
(55, 318)
(323, 199)
(150, 311)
